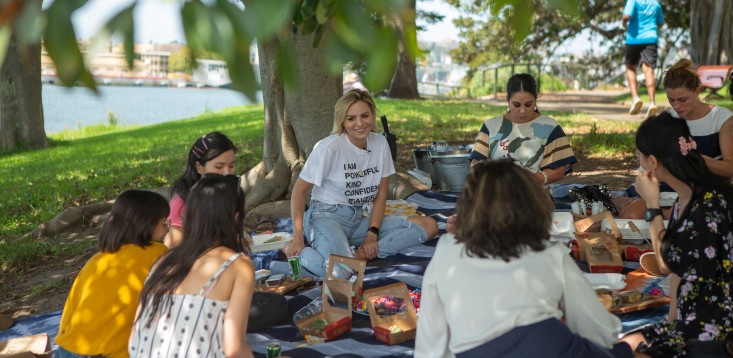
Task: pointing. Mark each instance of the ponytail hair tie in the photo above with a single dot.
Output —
(686, 146)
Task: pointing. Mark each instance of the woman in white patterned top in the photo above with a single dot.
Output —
(196, 300)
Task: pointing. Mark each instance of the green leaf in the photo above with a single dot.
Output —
(307, 27)
(308, 9)
(236, 18)
(521, 18)
(325, 10)
(5, 32)
(337, 54)
(241, 71)
(122, 24)
(287, 65)
(410, 41)
(568, 7)
(32, 21)
(223, 35)
(388, 7)
(380, 65)
(263, 18)
(318, 35)
(60, 42)
(196, 25)
(498, 5)
(352, 25)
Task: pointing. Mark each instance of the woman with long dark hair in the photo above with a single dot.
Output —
(197, 298)
(212, 153)
(697, 245)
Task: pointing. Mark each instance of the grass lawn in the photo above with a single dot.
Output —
(99, 162)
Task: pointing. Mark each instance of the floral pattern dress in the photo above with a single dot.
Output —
(700, 254)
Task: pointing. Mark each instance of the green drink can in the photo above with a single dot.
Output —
(295, 273)
(273, 350)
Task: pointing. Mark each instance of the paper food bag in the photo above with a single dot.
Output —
(345, 276)
(603, 255)
(593, 224)
(392, 313)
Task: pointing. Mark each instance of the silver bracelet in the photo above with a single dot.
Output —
(545, 176)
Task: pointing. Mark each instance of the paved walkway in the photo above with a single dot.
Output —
(598, 104)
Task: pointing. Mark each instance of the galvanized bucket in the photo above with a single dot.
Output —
(450, 167)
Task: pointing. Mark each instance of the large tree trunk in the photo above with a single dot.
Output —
(21, 110)
(295, 120)
(404, 81)
(711, 32)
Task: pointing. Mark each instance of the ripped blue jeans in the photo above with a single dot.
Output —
(335, 228)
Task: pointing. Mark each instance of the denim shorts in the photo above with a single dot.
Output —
(333, 229)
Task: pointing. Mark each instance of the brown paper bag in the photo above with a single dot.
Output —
(603, 255)
(589, 224)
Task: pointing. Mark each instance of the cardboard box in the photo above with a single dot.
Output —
(344, 280)
(38, 345)
(593, 225)
(392, 313)
(581, 238)
(602, 255)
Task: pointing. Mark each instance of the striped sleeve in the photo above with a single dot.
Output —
(481, 145)
(558, 152)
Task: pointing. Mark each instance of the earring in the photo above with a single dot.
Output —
(508, 110)
(535, 109)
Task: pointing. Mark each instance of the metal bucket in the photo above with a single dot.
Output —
(421, 157)
(450, 168)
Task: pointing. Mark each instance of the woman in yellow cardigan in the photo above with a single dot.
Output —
(99, 312)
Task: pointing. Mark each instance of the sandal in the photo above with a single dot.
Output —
(648, 262)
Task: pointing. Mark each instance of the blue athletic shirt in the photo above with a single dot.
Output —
(645, 18)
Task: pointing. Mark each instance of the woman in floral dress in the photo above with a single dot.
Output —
(697, 245)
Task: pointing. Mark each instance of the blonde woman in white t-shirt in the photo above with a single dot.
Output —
(348, 172)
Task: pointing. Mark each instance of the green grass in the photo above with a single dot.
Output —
(27, 253)
(97, 163)
(98, 166)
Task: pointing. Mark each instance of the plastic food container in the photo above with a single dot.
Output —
(613, 281)
(267, 242)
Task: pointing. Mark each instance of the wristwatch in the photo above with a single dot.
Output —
(374, 230)
(650, 214)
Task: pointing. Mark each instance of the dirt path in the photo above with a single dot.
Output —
(598, 104)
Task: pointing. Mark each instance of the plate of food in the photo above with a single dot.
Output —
(267, 242)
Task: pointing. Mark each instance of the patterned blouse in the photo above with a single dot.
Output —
(700, 254)
(193, 327)
(536, 145)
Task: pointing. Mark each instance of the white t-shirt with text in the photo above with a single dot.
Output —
(343, 173)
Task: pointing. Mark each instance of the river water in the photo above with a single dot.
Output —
(69, 108)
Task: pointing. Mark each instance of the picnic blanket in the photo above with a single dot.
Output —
(408, 266)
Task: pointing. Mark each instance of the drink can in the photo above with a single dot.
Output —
(295, 273)
(273, 350)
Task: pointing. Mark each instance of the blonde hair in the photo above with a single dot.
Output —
(343, 104)
(682, 74)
